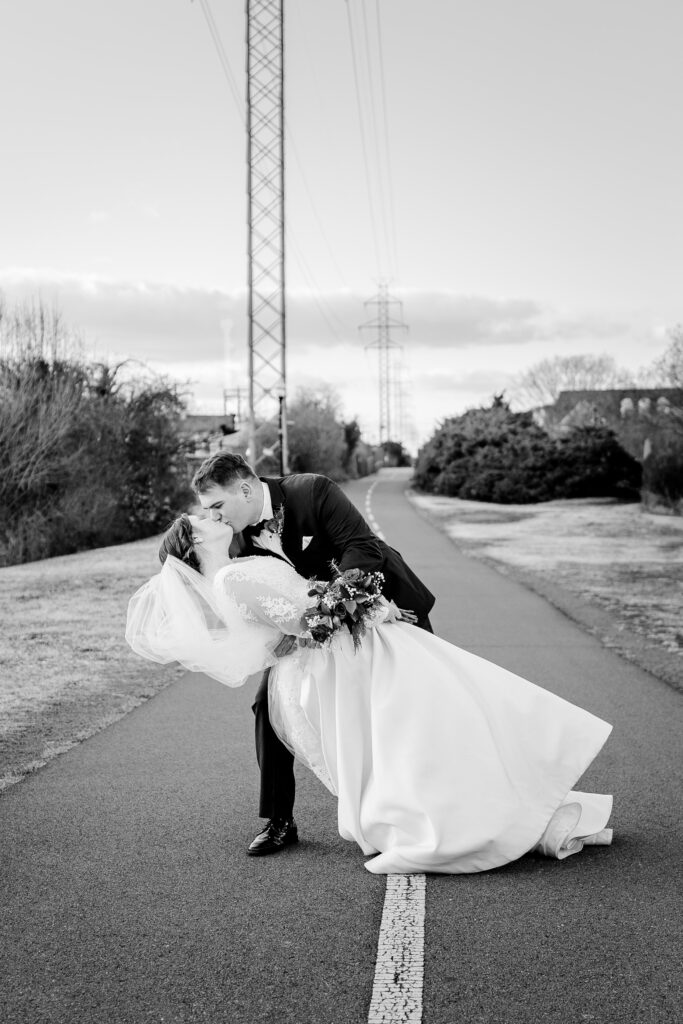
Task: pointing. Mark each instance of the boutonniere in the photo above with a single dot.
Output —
(276, 524)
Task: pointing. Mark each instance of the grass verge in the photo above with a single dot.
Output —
(66, 670)
(613, 568)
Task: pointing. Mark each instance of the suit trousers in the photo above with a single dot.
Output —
(275, 761)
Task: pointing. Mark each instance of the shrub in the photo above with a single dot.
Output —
(86, 459)
(663, 470)
(592, 464)
(493, 454)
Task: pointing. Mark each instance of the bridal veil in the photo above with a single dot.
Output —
(178, 615)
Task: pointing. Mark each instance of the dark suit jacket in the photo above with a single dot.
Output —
(316, 507)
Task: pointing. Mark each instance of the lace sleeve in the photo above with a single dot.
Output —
(268, 591)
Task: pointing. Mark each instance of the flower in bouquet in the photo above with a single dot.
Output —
(351, 600)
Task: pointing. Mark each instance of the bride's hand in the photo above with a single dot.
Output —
(285, 646)
(396, 614)
(405, 615)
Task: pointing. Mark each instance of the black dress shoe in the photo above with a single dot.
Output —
(277, 834)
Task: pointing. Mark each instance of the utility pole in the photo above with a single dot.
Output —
(232, 394)
(266, 220)
(383, 324)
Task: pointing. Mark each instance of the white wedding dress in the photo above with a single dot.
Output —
(440, 760)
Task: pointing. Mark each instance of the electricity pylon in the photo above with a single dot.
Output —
(384, 324)
(266, 218)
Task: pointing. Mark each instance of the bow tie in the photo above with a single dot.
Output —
(273, 525)
(252, 531)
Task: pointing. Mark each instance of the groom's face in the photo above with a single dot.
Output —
(238, 504)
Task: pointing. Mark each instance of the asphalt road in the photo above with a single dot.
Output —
(127, 896)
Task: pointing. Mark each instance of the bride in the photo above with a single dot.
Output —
(441, 761)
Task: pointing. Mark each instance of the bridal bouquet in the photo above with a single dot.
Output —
(349, 601)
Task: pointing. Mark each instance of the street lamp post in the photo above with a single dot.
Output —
(282, 432)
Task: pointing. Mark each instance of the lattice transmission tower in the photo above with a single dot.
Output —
(266, 219)
(388, 351)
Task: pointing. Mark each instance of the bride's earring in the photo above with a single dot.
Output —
(197, 540)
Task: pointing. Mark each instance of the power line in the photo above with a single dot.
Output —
(375, 136)
(371, 98)
(223, 58)
(387, 148)
(368, 176)
(312, 202)
(318, 298)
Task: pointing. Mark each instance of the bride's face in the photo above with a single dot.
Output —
(211, 533)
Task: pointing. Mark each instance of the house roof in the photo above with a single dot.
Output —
(201, 424)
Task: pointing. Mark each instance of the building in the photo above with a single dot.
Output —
(641, 418)
(206, 435)
(608, 407)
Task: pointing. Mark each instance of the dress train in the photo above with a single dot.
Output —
(441, 761)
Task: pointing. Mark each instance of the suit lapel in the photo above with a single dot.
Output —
(277, 495)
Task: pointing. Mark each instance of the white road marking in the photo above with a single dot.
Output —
(399, 968)
(372, 522)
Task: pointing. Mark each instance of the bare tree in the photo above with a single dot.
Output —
(543, 382)
(667, 371)
(36, 331)
(41, 390)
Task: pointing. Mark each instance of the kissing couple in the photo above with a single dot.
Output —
(440, 760)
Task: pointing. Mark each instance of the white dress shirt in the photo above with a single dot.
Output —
(265, 539)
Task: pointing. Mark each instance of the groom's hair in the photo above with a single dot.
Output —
(223, 468)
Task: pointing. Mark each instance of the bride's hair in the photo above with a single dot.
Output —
(178, 542)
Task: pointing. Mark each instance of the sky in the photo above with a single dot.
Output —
(511, 168)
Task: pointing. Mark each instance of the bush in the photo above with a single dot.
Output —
(594, 465)
(656, 438)
(663, 470)
(493, 454)
(86, 459)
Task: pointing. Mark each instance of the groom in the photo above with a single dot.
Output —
(306, 519)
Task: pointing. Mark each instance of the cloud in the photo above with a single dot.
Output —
(459, 351)
(444, 319)
(159, 321)
(151, 211)
(146, 320)
(483, 381)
